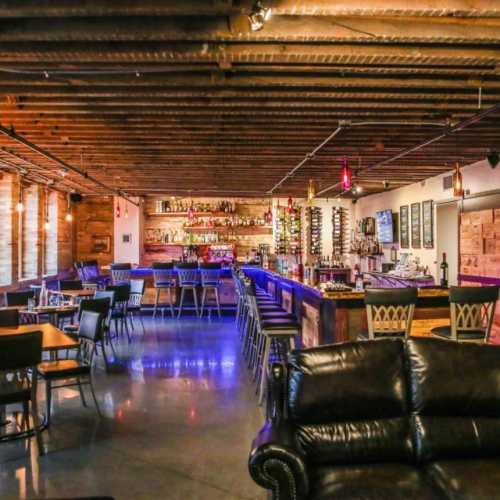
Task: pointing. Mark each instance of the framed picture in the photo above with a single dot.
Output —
(101, 244)
(428, 224)
(415, 225)
(404, 226)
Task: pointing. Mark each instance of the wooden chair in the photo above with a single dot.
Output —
(19, 357)
(389, 311)
(78, 371)
(472, 310)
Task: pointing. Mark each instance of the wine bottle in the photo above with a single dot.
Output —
(444, 271)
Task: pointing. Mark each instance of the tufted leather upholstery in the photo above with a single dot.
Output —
(383, 419)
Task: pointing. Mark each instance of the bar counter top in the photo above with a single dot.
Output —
(423, 293)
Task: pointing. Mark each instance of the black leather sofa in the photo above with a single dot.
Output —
(383, 419)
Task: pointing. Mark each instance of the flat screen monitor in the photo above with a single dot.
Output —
(385, 227)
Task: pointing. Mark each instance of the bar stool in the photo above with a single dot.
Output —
(120, 273)
(210, 281)
(187, 273)
(164, 279)
(389, 312)
(472, 310)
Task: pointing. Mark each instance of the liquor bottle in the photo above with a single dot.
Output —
(444, 271)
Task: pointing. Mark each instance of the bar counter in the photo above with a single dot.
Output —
(329, 317)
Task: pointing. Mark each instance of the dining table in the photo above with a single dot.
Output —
(423, 327)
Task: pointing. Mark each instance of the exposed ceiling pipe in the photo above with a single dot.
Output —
(308, 157)
(405, 152)
(49, 156)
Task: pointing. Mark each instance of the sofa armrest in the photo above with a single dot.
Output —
(276, 465)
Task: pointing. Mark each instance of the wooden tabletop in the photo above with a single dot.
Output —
(41, 309)
(52, 338)
(422, 293)
(86, 292)
(423, 327)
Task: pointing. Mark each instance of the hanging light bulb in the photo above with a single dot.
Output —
(20, 207)
(46, 226)
(118, 211)
(346, 176)
(258, 16)
(290, 205)
(126, 210)
(311, 191)
(458, 187)
(268, 216)
(69, 217)
(20, 204)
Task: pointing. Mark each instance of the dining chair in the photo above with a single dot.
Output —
(134, 306)
(63, 285)
(389, 311)
(19, 357)
(9, 317)
(75, 372)
(19, 298)
(119, 311)
(187, 274)
(164, 279)
(472, 310)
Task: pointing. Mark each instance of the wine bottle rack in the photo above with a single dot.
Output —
(315, 223)
(288, 232)
(339, 229)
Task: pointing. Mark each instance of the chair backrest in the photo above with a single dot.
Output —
(121, 272)
(390, 311)
(98, 305)
(90, 331)
(122, 292)
(187, 273)
(90, 269)
(103, 294)
(20, 351)
(455, 394)
(19, 298)
(350, 389)
(9, 317)
(472, 309)
(137, 287)
(163, 272)
(210, 273)
(70, 285)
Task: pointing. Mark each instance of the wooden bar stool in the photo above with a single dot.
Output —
(187, 274)
(164, 279)
(210, 281)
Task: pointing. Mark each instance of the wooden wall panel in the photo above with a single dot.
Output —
(94, 218)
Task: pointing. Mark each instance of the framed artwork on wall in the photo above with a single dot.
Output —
(428, 223)
(404, 227)
(101, 244)
(415, 225)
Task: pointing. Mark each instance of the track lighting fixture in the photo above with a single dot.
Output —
(258, 16)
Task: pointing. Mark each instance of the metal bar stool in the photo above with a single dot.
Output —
(210, 281)
(187, 273)
(164, 279)
(389, 312)
(472, 310)
(120, 273)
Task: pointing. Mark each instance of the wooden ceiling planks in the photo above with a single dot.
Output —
(172, 97)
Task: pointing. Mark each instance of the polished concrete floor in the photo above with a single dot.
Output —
(180, 414)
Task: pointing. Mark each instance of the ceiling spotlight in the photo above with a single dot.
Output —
(258, 16)
(357, 189)
(493, 158)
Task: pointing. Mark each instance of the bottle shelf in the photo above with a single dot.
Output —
(196, 214)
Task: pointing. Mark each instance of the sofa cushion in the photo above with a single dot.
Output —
(466, 479)
(455, 390)
(356, 441)
(348, 402)
(370, 482)
(349, 381)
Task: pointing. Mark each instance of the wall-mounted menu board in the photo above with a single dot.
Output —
(415, 225)
(427, 224)
(404, 226)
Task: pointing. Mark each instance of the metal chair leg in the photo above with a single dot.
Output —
(94, 397)
(216, 290)
(181, 302)
(82, 396)
(171, 301)
(203, 298)
(195, 296)
(157, 299)
(48, 398)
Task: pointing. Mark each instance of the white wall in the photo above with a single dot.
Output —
(477, 178)
(127, 252)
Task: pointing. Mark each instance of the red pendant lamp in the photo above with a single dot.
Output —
(268, 216)
(346, 176)
(458, 185)
(290, 205)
